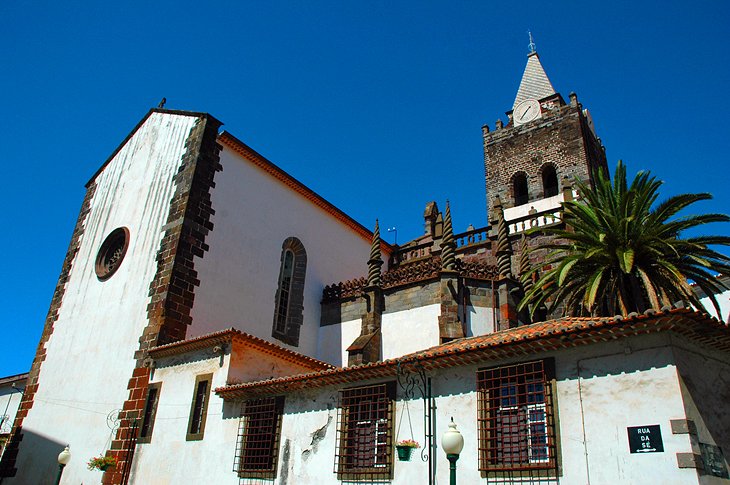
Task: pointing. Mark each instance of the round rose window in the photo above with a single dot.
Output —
(112, 253)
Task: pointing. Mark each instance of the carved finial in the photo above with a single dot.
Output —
(448, 246)
(527, 282)
(504, 250)
(162, 103)
(375, 262)
(567, 189)
(531, 45)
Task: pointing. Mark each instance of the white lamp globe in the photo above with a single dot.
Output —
(452, 441)
(64, 457)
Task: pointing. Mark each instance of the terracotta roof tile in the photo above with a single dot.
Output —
(526, 340)
(231, 334)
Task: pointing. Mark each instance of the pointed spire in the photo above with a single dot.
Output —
(448, 246)
(375, 262)
(504, 250)
(535, 83)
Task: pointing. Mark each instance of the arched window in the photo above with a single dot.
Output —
(519, 188)
(549, 181)
(289, 309)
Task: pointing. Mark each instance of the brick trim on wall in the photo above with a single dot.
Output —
(172, 288)
(7, 465)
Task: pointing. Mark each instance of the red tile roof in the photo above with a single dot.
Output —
(20, 378)
(521, 341)
(228, 336)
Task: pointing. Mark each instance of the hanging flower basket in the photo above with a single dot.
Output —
(405, 449)
(101, 463)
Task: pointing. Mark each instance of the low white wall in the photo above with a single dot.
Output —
(705, 384)
(479, 321)
(402, 333)
(632, 384)
(409, 331)
(334, 340)
(602, 389)
(168, 459)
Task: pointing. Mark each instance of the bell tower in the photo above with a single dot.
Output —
(531, 161)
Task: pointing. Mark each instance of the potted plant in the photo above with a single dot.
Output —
(101, 462)
(405, 449)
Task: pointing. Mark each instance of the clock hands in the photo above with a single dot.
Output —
(525, 113)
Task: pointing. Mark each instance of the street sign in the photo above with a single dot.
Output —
(645, 439)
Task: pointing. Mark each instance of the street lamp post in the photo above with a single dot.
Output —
(452, 442)
(63, 459)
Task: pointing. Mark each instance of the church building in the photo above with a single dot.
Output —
(217, 321)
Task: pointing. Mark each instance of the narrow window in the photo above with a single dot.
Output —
(549, 181)
(520, 189)
(258, 437)
(289, 301)
(516, 419)
(199, 407)
(282, 305)
(150, 411)
(365, 430)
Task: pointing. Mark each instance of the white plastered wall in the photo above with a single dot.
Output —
(254, 215)
(334, 340)
(169, 459)
(90, 355)
(479, 320)
(403, 332)
(602, 388)
(409, 331)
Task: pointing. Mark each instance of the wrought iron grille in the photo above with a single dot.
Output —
(516, 418)
(365, 433)
(150, 411)
(257, 445)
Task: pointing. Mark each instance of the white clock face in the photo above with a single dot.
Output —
(526, 111)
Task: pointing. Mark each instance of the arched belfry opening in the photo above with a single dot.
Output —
(549, 181)
(519, 189)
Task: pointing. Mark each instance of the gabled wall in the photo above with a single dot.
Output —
(254, 214)
(94, 327)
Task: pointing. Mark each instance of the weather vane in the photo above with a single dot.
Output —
(395, 230)
(531, 45)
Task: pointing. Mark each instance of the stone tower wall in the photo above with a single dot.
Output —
(561, 138)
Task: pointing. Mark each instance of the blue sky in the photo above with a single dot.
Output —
(377, 106)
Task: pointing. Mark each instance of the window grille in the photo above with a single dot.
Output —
(365, 433)
(199, 407)
(257, 446)
(150, 411)
(516, 418)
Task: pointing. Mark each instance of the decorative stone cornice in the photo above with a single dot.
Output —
(404, 275)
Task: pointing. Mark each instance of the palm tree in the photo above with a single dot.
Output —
(621, 253)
